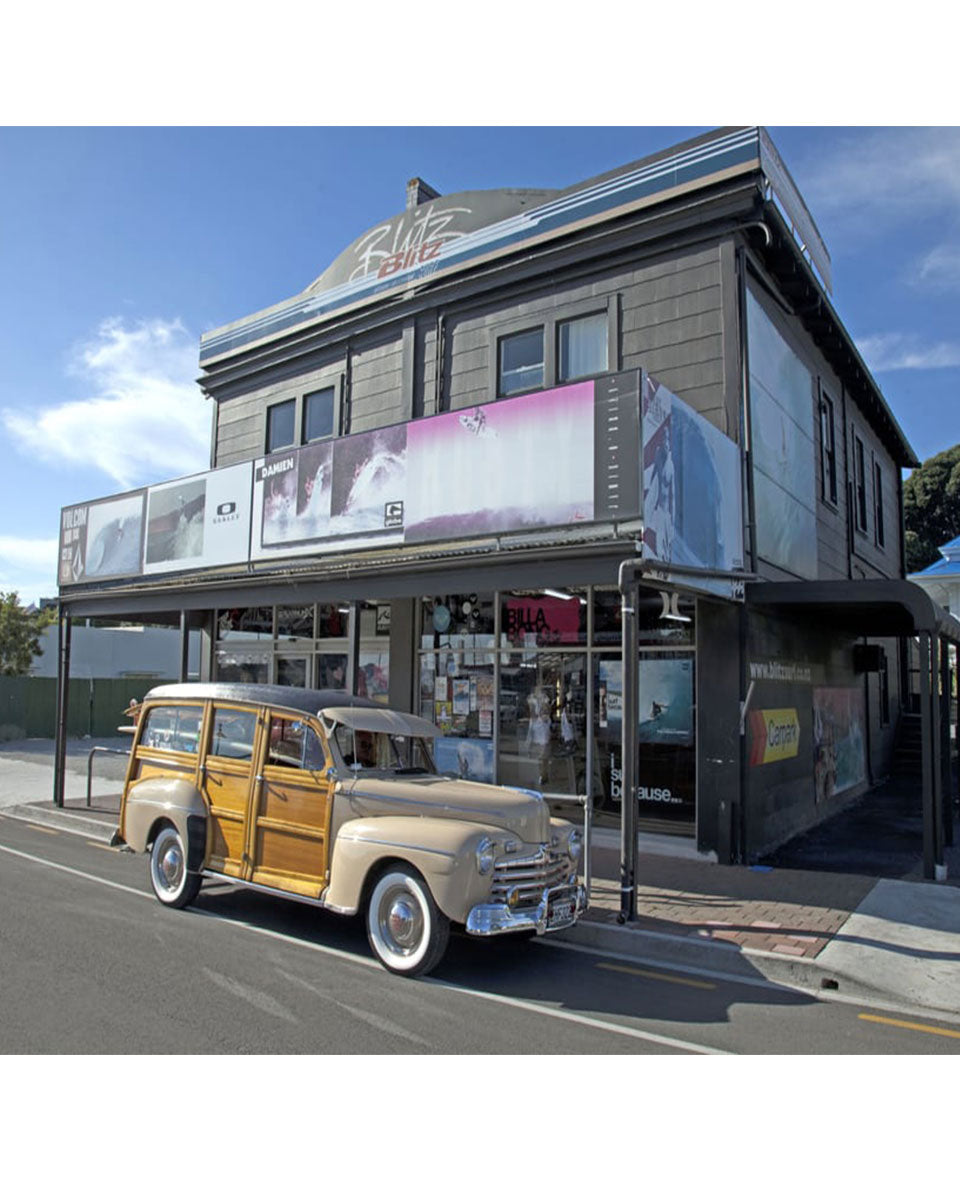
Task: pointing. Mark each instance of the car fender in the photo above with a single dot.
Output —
(175, 800)
(443, 850)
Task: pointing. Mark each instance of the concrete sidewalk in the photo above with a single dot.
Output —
(887, 941)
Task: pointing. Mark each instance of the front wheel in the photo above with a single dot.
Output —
(406, 930)
(172, 883)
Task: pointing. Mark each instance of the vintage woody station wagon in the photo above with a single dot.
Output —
(335, 800)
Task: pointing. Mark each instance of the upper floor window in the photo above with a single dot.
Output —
(318, 415)
(859, 484)
(520, 362)
(582, 346)
(281, 425)
(828, 450)
(877, 503)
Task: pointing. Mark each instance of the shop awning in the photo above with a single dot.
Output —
(861, 607)
(890, 608)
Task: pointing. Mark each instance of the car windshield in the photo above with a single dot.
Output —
(364, 750)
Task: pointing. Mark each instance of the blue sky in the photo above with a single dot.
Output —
(120, 246)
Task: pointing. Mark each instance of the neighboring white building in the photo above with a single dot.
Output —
(115, 653)
(941, 581)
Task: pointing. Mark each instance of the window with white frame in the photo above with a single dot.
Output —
(582, 346)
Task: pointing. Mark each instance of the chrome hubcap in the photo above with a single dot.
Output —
(401, 922)
(170, 865)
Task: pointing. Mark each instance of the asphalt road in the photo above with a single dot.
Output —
(92, 964)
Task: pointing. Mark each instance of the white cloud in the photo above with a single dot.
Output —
(885, 175)
(940, 269)
(144, 419)
(28, 566)
(906, 352)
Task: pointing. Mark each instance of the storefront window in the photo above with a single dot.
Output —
(666, 733)
(295, 622)
(464, 621)
(543, 721)
(245, 623)
(456, 688)
(607, 621)
(373, 675)
(665, 619)
(291, 671)
(552, 617)
(242, 666)
(607, 782)
(332, 620)
(330, 671)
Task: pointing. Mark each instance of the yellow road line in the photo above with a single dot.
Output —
(43, 828)
(952, 1033)
(100, 845)
(659, 975)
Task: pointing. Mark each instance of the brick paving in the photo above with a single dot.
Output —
(785, 912)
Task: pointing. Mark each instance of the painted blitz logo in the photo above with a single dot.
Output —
(397, 246)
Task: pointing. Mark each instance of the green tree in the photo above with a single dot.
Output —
(19, 634)
(931, 508)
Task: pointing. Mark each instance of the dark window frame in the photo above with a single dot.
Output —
(305, 406)
(271, 447)
(878, 531)
(828, 450)
(859, 483)
(550, 322)
(518, 333)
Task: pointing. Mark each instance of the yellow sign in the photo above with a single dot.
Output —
(776, 735)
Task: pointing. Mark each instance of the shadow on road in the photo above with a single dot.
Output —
(536, 972)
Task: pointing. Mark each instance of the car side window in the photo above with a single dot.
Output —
(294, 744)
(175, 727)
(233, 733)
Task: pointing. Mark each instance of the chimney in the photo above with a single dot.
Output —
(419, 192)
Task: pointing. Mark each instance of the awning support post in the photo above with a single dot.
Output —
(63, 694)
(946, 799)
(628, 745)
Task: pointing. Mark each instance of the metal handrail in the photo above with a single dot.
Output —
(587, 802)
(99, 750)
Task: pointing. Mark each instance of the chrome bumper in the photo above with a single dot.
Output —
(485, 920)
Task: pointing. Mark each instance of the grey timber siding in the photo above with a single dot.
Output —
(242, 412)
(669, 317)
(376, 382)
(842, 551)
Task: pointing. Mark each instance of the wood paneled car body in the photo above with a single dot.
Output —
(335, 800)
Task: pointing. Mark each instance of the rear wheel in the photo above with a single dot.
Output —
(172, 883)
(406, 930)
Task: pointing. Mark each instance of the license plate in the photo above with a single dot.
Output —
(561, 913)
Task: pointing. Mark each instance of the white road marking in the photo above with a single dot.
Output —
(492, 997)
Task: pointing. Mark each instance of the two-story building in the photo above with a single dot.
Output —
(595, 479)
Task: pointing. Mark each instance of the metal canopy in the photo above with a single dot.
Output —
(863, 607)
(891, 608)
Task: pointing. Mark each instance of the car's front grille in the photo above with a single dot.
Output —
(530, 874)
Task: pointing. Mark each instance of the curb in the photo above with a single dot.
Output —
(735, 962)
(97, 829)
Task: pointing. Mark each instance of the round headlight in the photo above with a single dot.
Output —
(575, 844)
(485, 856)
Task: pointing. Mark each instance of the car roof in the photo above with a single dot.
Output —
(272, 695)
(380, 720)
